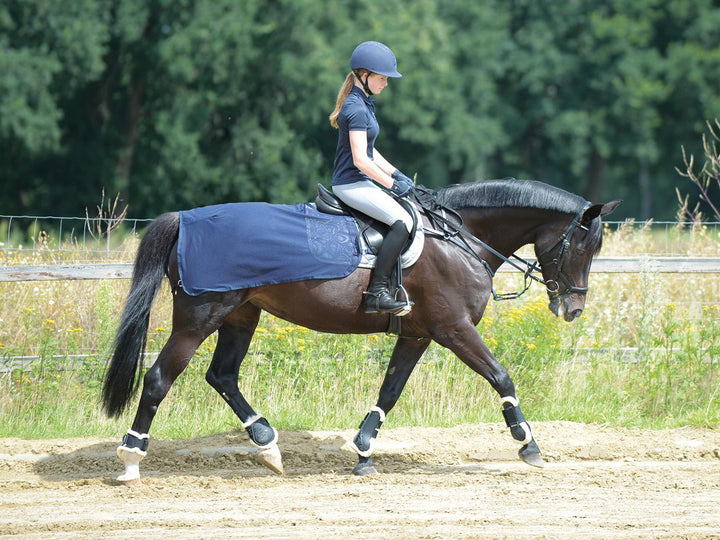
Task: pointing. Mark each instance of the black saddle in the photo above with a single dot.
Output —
(372, 230)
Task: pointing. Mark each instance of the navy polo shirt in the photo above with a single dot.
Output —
(356, 114)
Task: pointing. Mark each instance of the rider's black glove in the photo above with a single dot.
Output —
(402, 185)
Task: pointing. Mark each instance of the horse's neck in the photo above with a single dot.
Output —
(507, 229)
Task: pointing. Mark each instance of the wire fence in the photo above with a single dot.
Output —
(73, 319)
(76, 240)
(25, 239)
(662, 238)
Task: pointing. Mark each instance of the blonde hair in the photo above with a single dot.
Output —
(342, 95)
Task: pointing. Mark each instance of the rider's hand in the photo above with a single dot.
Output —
(402, 185)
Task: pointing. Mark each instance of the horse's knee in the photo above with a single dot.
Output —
(213, 380)
(224, 385)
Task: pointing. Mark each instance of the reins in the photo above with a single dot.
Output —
(453, 230)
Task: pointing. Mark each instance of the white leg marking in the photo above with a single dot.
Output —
(271, 458)
(131, 457)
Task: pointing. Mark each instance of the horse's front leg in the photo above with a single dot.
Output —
(404, 358)
(467, 344)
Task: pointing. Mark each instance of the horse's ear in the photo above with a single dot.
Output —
(598, 210)
(607, 208)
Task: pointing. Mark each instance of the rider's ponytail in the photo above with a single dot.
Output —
(342, 94)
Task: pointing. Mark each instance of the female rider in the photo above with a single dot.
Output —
(358, 164)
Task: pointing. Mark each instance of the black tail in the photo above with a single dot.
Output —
(123, 374)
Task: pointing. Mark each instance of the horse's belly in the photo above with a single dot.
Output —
(334, 306)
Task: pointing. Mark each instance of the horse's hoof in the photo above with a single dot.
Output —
(530, 454)
(364, 469)
(271, 458)
(133, 482)
(131, 476)
(535, 460)
(131, 457)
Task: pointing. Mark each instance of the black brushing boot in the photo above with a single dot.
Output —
(377, 297)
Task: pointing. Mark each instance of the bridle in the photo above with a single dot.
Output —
(552, 285)
(452, 230)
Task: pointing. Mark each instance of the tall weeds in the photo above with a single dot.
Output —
(644, 353)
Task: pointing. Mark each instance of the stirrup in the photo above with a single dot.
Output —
(372, 303)
(407, 306)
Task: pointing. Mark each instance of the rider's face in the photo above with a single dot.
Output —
(376, 82)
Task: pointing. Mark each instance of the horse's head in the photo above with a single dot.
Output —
(565, 257)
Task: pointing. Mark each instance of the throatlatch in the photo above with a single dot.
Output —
(369, 427)
(515, 420)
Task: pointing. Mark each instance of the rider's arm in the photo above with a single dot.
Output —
(375, 169)
(384, 164)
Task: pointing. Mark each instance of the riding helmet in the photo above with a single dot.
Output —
(376, 58)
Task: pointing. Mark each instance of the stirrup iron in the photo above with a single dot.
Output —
(373, 299)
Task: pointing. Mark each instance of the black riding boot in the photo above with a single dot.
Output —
(378, 297)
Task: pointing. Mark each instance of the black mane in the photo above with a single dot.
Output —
(510, 192)
(514, 193)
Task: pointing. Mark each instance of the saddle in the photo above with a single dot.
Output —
(372, 232)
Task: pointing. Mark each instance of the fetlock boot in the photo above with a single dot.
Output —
(378, 297)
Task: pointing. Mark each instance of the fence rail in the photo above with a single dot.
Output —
(601, 265)
(65, 272)
(85, 239)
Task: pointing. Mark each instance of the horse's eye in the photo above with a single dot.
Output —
(580, 251)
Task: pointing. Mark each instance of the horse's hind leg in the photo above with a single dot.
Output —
(171, 361)
(194, 319)
(404, 358)
(234, 338)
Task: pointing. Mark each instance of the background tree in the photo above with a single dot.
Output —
(176, 104)
(49, 53)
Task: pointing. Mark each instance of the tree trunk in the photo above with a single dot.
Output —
(133, 115)
(646, 197)
(595, 178)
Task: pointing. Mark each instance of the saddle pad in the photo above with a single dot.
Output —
(235, 246)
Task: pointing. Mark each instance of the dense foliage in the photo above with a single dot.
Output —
(181, 103)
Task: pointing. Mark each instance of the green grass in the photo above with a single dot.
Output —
(304, 380)
(644, 354)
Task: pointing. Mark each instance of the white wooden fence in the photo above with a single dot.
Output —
(602, 265)
(614, 265)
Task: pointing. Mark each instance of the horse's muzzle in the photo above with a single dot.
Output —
(567, 306)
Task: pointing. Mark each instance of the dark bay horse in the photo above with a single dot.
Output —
(450, 284)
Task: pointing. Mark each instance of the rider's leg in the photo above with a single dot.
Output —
(367, 198)
(378, 297)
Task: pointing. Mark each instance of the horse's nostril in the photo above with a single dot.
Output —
(576, 313)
